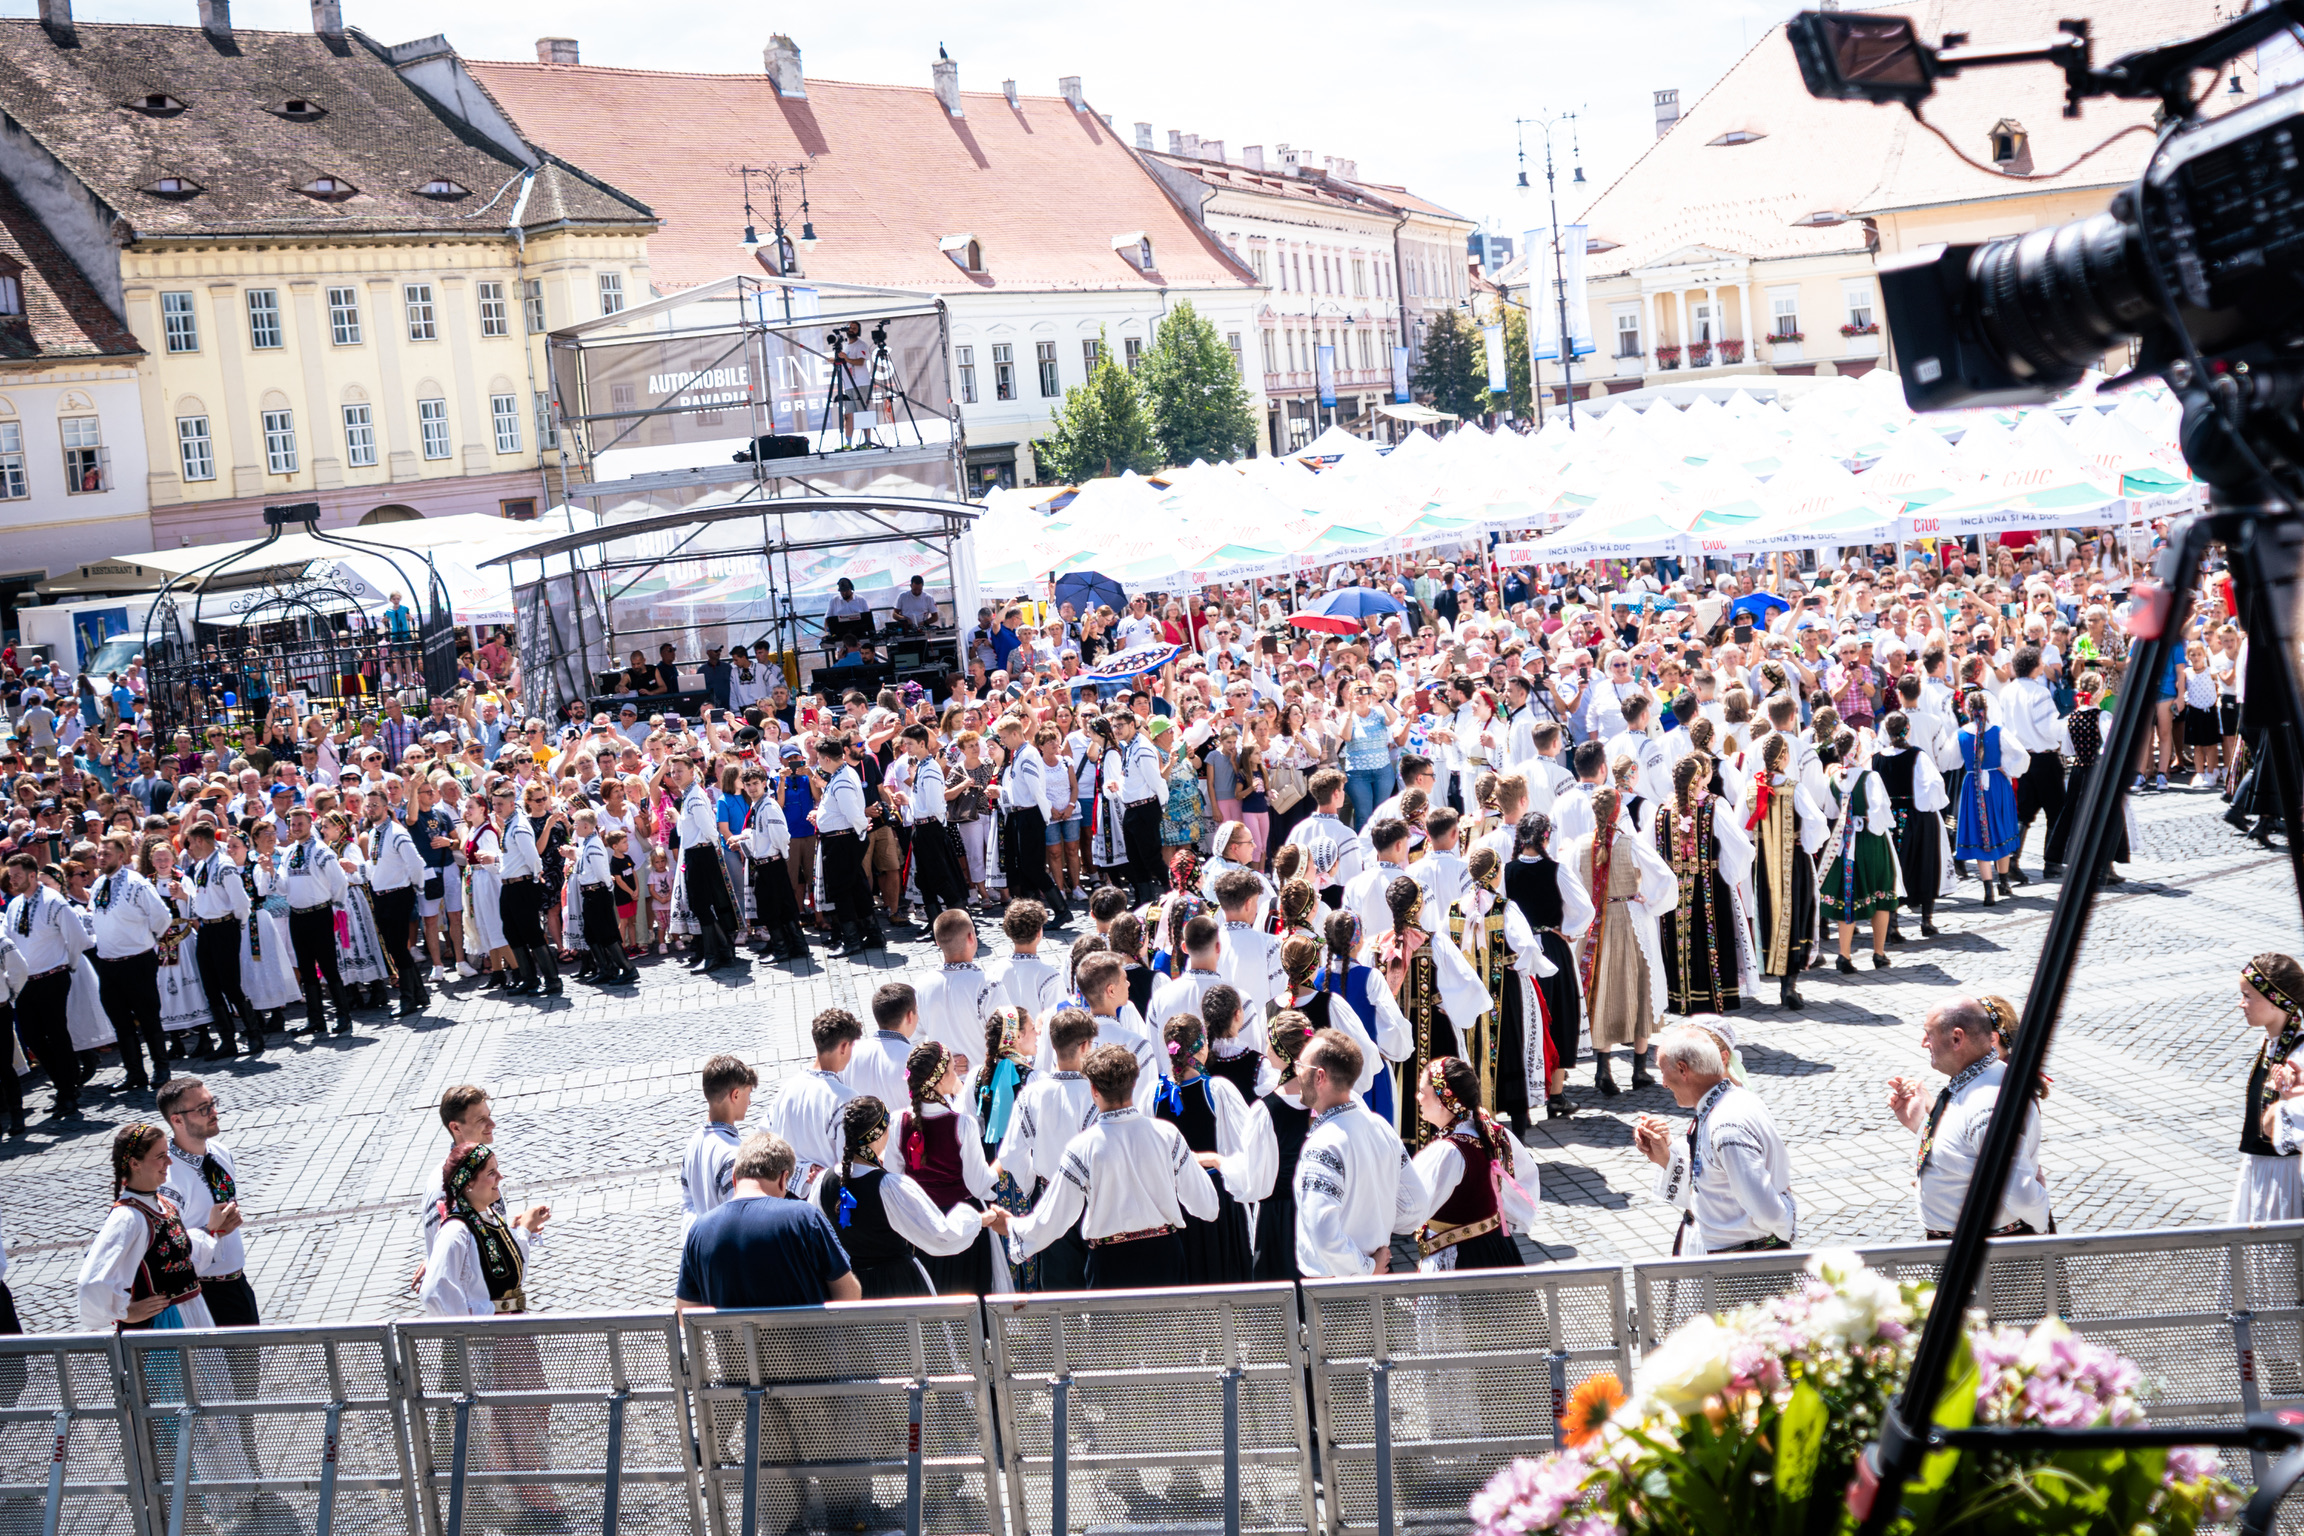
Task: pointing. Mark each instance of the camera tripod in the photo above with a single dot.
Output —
(2262, 535)
(843, 395)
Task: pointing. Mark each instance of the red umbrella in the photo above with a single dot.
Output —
(1329, 623)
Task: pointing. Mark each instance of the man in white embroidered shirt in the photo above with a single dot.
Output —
(1962, 1041)
(1127, 1180)
(2028, 715)
(1355, 1186)
(1729, 1173)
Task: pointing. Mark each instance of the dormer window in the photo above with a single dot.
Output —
(328, 189)
(155, 104)
(1136, 247)
(966, 251)
(1144, 254)
(441, 187)
(2011, 146)
(299, 109)
(11, 293)
(176, 187)
(1736, 136)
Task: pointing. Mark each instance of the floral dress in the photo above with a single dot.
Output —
(1184, 816)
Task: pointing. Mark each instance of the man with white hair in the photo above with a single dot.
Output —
(1729, 1172)
(1962, 1039)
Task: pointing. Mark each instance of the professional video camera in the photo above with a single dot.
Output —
(2198, 261)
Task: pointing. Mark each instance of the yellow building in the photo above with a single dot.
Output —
(340, 281)
(1745, 240)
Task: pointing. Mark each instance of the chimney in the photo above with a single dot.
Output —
(1070, 86)
(782, 57)
(328, 17)
(1212, 149)
(1667, 111)
(556, 50)
(1252, 156)
(56, 16)
(1144, 136)
(947, 72)
(1008, 89)
(1175, 142)
(216, 19)
(1191, 150)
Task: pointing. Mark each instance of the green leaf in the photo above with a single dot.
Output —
(1799, 1441)
(1955, 1409)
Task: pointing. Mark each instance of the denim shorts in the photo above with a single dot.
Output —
(1063, 832)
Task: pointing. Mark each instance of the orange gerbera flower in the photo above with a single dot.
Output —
(1588, 1407)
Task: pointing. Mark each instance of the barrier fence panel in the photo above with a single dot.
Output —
(1424, 1384)
(1175, 1409)
(68, 1457)
(870, 1416)
(532, 1424)
(287, 1428)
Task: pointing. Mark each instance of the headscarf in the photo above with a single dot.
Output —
(1000, 1093)
(2292, 1027)
(499, 1254)
(1720, 1029)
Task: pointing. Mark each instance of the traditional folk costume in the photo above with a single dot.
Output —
(1621, 961)
(1212, 1117)
(2082, 733)
(1355, 1187)
(1444, 1002)
(2271, 1182)
(767, 859)
(360, 945)
(1127, 1182)
(1987, 828)
(1472, 1182)
(1287, 1124)
(1860, 874)
(939, 859)
(707, 1172)
(183, 1001)
(1951, 1142)
(267, 954)
(1514, 1041)
(1372, 1016)
(595, 890)
(1053, 1107)
(1706, 940)
(143, 1249)
(942, 1151)
(1916, 794)
(887, 1223)
(1558, 909)
(1787, 829)
(85, 1020)
(483, 894)
(996, 1095)
(1731, 1177)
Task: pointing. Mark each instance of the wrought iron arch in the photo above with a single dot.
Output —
(217, 654)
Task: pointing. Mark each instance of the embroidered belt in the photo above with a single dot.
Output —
(518, 879)
(210, 922)
(222, 1279)
(1129, 1237)
(601, 885)
(56, 970)
(517, 1301)
(1129, 805)
(2013, 1229)
(324, 906)
(1432, 1239)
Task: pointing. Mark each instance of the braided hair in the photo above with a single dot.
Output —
(1702, 733)
(922, 1070)
(1002, 1029)
(1898, 725)
(1776, 756)
(1300, 959)
(1286, 1036)
(131, 1144)
(1297, 899)
(1484, 791)
(1483, 866)
(1186, 1037)
(1458, 1088)
(1401, 898)
(861, 1119)
(1534, 831)
(1287, 862)
(1126, 937)
(1690, 776)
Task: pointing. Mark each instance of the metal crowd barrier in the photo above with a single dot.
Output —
(1424, 1384)
(1337, 1408)
(1169, 1408)
(868, 1417)
(550, 1424)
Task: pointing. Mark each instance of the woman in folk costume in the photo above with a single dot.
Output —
(2272, 1115)
(1787, 828)
(183, 1000)
(1915, 789)
(479, 856)
(267, 957)
(1287, 1123)
(1472, 1170)
(1370, 1004)
(1171, 912)
(1107, 842)
(1297, 914)
(1860, 875)
(1437, 991)
(1725, 782)
(2081, 736)
(1557, 906)
(86, 1023)
(886, 1220)
(1236, 1148)
(939, 1148)
(1706, 938)
(1511, 1057)
(359, 947)
(1987, 831)
(1011, 1038)
(1621, 962)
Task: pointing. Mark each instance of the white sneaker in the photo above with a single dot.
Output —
(439, 976)
(465, 970)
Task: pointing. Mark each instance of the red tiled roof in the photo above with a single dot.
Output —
(1043, 189)
(63, 317)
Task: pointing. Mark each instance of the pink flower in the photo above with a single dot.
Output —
(1528, 1496)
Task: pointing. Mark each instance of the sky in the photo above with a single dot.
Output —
(1418, 95)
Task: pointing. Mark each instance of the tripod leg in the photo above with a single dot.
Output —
(2264, 574)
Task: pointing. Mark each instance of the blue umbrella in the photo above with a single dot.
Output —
(1085, 590)
(1355, 603)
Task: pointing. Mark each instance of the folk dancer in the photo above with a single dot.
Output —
(1438, 992)
(605, 963)
(1557, 907)
(50, 937)
(1729, 1175)
(1050, 1109)
(1986, 832)
(1621, 965)
(1860, 875)
(1706, 938)
(939, 863)
(886, 1220)
(703, 872)
(522, 903)
(809, 1104)
(1915, 787)
(396, 876)
(1787, 829)
(219, 905)
(315, 884)
(1355, 1185)
(1289, 1123)
(1472, 1175)
(2272, 1115)
(939, 1146)
(708, 1166)
(841, 825)
(1213, 1118)
(130, 917)
(767, 855)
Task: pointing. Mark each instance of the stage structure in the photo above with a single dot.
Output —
(299, 612)
(747, 445)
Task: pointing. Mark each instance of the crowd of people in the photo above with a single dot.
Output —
(1356, 905)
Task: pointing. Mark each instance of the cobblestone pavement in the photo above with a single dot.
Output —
(595, 1095)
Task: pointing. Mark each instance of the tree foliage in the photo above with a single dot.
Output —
(1200, 407)
(1454, 368)
(1103, 428)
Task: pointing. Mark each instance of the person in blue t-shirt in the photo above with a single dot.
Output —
(761, 1249)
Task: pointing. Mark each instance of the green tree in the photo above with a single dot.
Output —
(1200, 407)
(1522, 393)
(1104, 428)
(1454, 368)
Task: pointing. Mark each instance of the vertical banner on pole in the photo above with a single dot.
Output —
(1492, 342)
(1399, 375)
(1573, 239)
(1325, 362)
(1543, 297)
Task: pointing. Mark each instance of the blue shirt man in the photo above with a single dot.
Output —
(760, 1249)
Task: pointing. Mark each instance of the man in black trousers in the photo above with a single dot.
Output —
(220, 906)
(130, 917)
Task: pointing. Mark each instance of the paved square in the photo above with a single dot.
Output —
(339, 1141)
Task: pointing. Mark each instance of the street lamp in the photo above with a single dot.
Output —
(1547, 125)
(787, 261)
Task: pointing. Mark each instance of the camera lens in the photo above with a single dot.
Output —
(2053, 301)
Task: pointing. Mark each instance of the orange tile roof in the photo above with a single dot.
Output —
(1042, 188)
